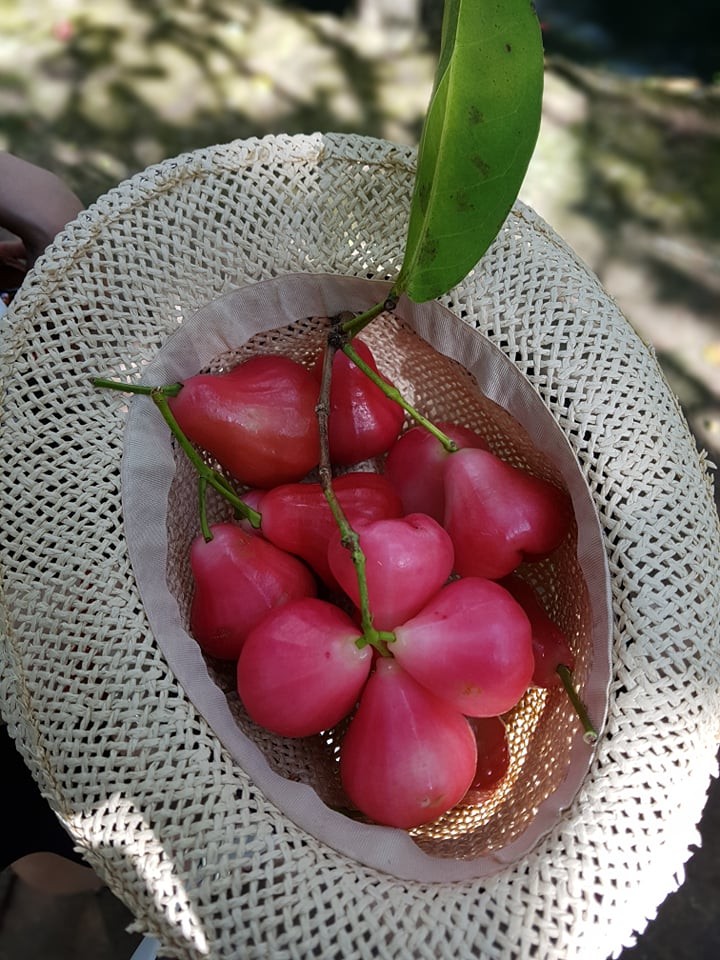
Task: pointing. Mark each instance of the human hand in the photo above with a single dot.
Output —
(35, 205)
(13, 266)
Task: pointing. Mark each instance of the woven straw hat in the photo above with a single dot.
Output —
(195, 842)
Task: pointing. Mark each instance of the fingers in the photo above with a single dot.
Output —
(35, 205)
(13, 254)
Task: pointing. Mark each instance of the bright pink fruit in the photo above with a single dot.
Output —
(407, 559)
(498, 515)
(363, 421)
(239, 578)
(550, 645)
(296, 516)
(300, 670)
(415, 465)
(407, 757)
(258, 420)
(471, 645)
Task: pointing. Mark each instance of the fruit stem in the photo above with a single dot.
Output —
(358, 323)
(352, 327)
(207, 476)
(565, 674)
(392, 393)
(202, 510)
(171, 390)
(379, 639)
(348, 536)
(211, 477)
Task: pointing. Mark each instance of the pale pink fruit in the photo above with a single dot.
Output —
(471, 645)
(415, 465)
(498, 515)
(296, 516)
(258, 419)
(238, 579)
(300, 670)
(550, 644)
(407, 559)
(407, 757)
(363, 421)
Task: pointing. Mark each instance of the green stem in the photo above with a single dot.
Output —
(202, 510)
(565, 674)
(358, 323)
(207, 476)
(392, 393)
(352, 327)
(380, 640)
(348, 536)
(171, 390)
(211, 477)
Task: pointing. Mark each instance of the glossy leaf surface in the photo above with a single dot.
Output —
(479, 135)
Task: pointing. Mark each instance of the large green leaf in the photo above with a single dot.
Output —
(479, 135)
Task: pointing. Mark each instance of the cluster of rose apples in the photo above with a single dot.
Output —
(385, 598)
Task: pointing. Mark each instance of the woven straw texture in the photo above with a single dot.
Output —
(179, 831)
(447, 370)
